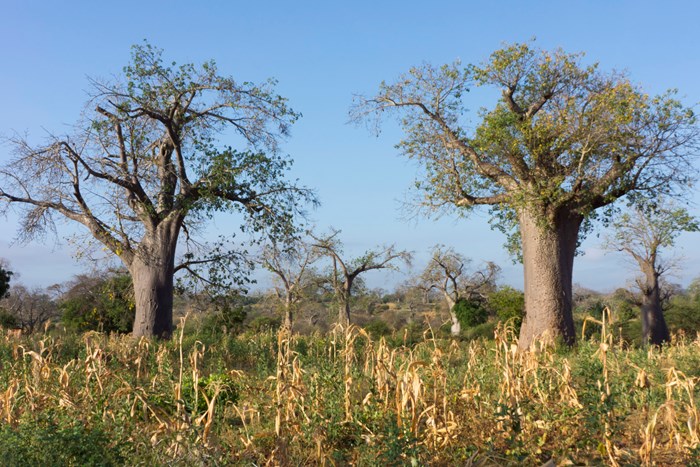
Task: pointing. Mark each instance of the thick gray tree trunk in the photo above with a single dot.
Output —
(152, 272)
(548, 260)
(654, 328)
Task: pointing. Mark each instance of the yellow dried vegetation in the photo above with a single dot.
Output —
(346, 398)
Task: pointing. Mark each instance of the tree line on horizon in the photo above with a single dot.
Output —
(564, 146)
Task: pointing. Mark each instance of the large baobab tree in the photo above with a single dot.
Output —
(447, 271)
(145, 165)
(344, 272)
(563, 140)
(642, 234)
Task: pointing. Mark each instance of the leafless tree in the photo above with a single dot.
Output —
(290, 264)
(31, 309)
(345, 272)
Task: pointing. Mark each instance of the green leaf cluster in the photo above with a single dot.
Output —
(507, 304)
(469, 312)
(103, 304)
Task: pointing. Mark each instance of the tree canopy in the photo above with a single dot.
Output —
(146, 163)
(562, 134)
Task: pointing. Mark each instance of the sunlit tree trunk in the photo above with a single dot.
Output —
(548, 260)
(456, 326)
(152, 271)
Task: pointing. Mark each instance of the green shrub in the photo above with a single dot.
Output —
(481, 331)
(623, 305)
(7, 320)
(52, 441)
(507, 304)
(377, 328)
(594, 309)
(264, 323)
(470, 313)
(683, 313)
(103, 304)
(227, 319)
(409, 335)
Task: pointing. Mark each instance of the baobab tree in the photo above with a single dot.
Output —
(447, 271)
(642, 234)
(145, 165)
(291, 265)
(344, 272)
(563, 141)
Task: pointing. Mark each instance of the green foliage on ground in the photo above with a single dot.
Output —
(342, 398)
(52, 439)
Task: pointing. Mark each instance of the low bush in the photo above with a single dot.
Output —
(52, 440)
(470, 313)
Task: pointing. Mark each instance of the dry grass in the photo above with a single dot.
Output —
(344, 398)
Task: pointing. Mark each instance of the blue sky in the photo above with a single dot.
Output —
(322, 53)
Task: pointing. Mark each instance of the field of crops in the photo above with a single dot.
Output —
(343, 398)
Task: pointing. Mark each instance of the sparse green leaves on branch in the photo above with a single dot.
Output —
(563, 133)
(650, 227)
(148, 163)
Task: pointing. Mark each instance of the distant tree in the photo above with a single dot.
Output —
(5, 275)
(447, 273)
(563, 141)
(29, 309)
(7, 320)
(290, 265)
(145, 166)
(344, 272)
(642, 234)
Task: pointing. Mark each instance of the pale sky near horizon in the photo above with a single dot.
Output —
(322, 53)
